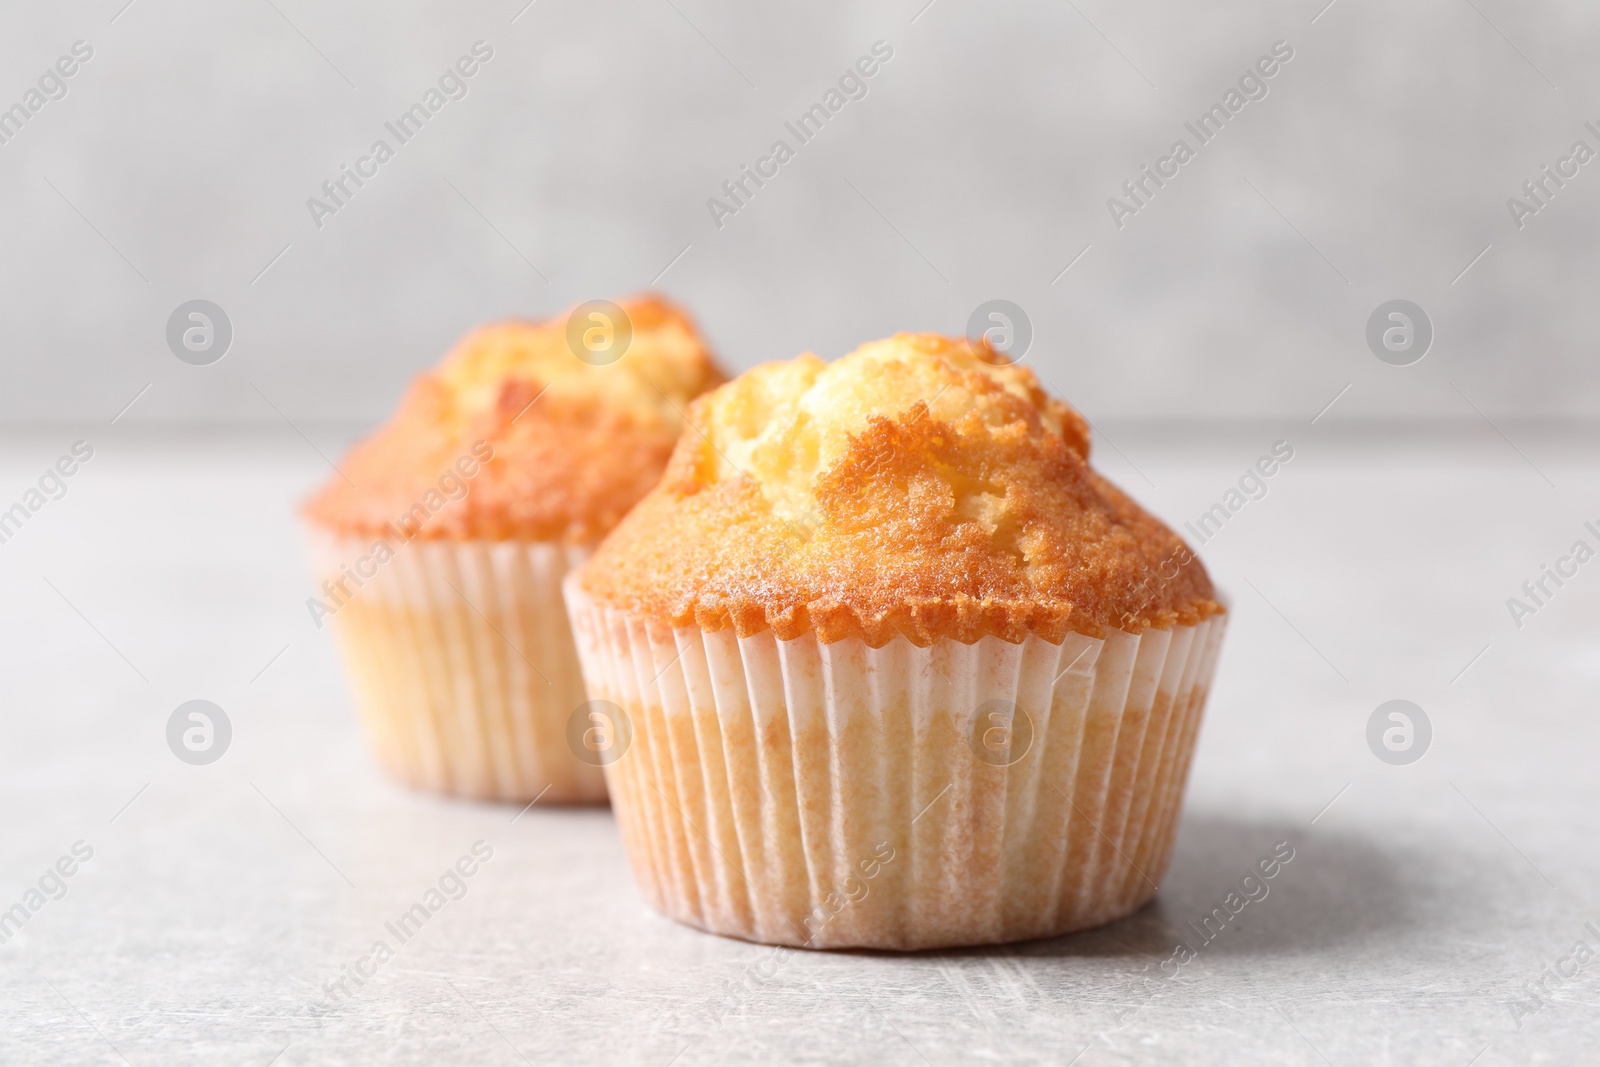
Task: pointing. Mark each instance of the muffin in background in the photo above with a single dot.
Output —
(441, 541)
(891, 665)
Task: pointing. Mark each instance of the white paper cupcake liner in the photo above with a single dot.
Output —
(463, 664)
(833, 795)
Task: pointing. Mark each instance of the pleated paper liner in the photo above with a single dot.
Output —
(840, 796)
(462, 662)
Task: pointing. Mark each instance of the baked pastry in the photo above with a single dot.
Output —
(441, 541)
(890, 665)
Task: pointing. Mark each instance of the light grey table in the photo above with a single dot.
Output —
(1421, 903)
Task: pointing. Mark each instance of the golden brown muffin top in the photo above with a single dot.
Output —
(919, 486)
(514, 436)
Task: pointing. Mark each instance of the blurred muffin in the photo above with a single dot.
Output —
(892, 666)
(441, 541)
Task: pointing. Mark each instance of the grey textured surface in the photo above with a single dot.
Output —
(219, 901)
(978, 166)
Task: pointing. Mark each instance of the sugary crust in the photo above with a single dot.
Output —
(951, 516)
(476, 452)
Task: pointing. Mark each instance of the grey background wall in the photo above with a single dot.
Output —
(978, 165)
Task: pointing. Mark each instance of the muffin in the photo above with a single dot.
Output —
(441, 541)
(891, 666)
